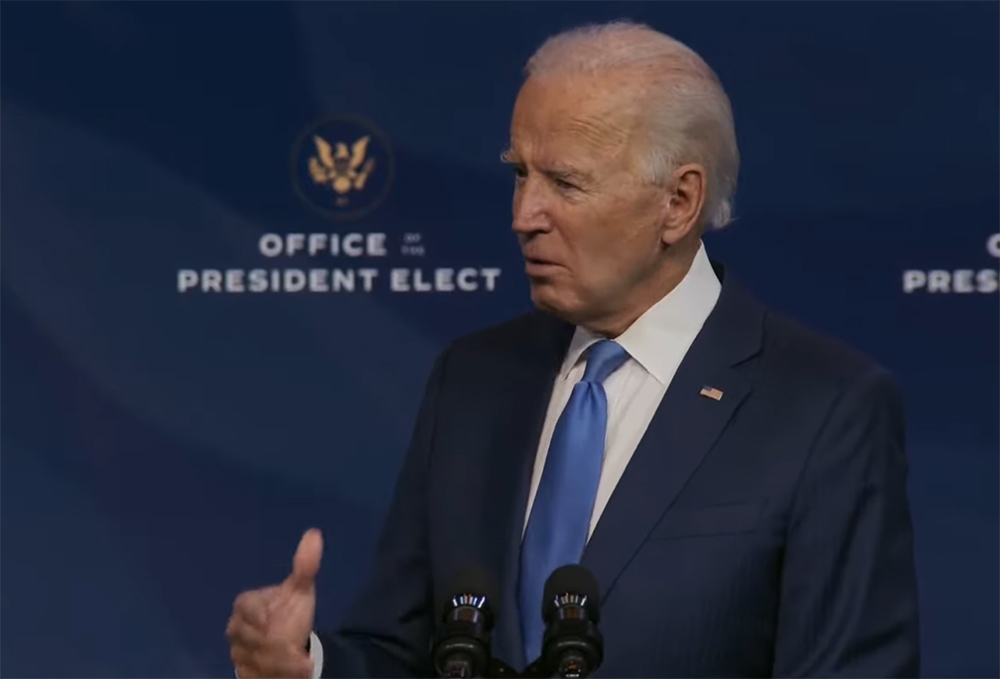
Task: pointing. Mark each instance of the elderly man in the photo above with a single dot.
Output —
(735, 482)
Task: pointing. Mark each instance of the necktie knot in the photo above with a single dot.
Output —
(603, 358)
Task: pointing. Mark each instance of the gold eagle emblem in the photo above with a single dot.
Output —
(344, 170)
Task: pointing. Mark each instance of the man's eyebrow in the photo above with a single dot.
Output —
(555, 171)
(508, 156)
(562, 172)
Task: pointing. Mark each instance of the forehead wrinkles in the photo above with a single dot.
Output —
(603, 134)
(605, 114)
(577, 117)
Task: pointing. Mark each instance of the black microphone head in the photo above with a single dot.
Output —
(472, 586)
(571, 584)
(462, 647)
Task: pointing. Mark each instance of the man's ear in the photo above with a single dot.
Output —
(684, 202)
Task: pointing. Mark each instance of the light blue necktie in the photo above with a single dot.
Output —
(560, 515)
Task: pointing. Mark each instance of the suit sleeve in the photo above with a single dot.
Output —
(387, 632)
(848, 601)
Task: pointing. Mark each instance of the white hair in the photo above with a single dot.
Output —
(688, 115)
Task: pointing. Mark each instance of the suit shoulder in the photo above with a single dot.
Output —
(529, 328)
(531, 335)
(795, 351)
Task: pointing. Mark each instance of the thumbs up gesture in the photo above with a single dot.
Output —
(269, 627)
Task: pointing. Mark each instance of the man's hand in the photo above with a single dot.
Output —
(269, 627)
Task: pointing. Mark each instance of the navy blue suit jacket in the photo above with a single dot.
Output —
(763, 534)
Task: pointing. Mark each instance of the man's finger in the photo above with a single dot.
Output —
(305, 565)
(244, 636)
(252, 608)
(240, 657)
(275, 661)
(298, 663)
(304, 668)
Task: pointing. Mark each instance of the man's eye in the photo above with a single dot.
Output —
(563, 184)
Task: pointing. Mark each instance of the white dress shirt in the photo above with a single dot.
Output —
(656, 343)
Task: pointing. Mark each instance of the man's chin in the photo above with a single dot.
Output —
(548, 299)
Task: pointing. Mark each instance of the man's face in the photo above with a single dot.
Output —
(589, 227)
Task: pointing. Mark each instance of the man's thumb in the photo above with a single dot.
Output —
(305, 565)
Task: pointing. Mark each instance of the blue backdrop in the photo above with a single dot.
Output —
(166, 437)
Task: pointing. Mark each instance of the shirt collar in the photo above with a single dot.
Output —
(659, 339)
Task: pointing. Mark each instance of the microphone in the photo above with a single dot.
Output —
(462, 648)
(573, 645)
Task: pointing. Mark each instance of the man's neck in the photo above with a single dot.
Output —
(668, 277)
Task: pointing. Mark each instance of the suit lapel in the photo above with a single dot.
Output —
(680, 435)
(529, 380)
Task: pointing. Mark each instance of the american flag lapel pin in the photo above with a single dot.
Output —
(711, 392)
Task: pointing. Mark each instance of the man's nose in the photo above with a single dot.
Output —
(530, 211)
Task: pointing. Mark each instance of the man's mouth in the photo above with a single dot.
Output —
(536, 266)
